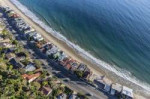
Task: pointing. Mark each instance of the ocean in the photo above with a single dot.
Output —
(112, 33)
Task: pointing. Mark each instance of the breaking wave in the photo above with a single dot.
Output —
(120, 72)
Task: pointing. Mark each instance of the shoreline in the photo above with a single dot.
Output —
(62, 45)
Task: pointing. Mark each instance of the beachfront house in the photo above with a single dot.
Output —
(37, 37)
(38, 45)
(29, 30)
(30, 35)
(14, 16)
(14, 21)
(68, 65)
(46, 47)
(64, 61)
(62, 56)
(56, 55)
(23, 27)
(47, 43)
(20, 24)
(108, 84)
(98, 81)
(92, 77)
(103, 83)
(17, 21)
(116, 89)
(51, 51)
(82, 67)
(87, 73)
(11, 14)
(7, 9)
(127, 93)
(74, 66)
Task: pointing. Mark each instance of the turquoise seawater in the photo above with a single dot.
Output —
(115, 31)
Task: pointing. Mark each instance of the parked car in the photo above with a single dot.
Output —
(89, 94)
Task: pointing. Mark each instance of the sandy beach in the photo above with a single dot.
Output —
(63, 46)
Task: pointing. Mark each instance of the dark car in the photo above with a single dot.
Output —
(89, 94)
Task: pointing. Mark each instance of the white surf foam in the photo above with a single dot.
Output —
(120, 72)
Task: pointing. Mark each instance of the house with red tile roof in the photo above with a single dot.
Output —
(31, 77)
(64, 61)
(69, 64)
